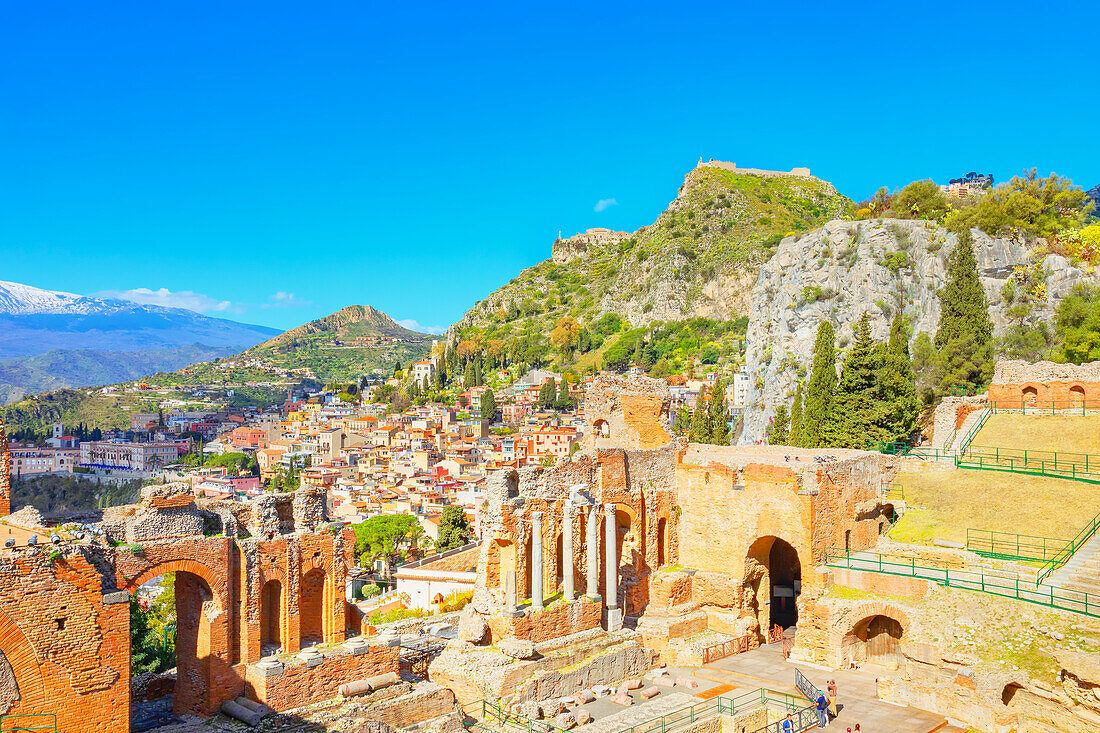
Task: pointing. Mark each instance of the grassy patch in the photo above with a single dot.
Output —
(1080, 434)
(943, 504)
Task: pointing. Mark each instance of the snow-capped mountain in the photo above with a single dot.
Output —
(35, 321)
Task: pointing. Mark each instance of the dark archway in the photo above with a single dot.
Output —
(312, 608)
(662, 542)
(1077, 393)
(874, 640)
(774, 576)
(271, 617)
(1009, 693)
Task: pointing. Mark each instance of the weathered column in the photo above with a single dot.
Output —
(593, 558)
(536, 561)
(511, 609)
(567, 552)
(611, 584)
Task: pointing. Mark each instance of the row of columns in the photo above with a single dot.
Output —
(568, 591)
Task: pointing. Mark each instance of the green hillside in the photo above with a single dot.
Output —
(698, 260)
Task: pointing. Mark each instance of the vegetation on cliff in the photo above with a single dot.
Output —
(693, 263)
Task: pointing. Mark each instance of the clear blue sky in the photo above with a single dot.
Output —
(273, 162)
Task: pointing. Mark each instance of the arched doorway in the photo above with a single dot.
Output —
(194, 627)
(559, 563)
(313, 608)
(874, 640)
(601, 429)
(774, 576)
(271, 618)
(1077, 393)
(1030, 395)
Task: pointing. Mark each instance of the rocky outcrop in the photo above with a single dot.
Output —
(880, 267)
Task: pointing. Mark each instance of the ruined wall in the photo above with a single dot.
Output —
(1019, 384)
(626, 412)
(298, 682)
(949, 417)
(64, 641)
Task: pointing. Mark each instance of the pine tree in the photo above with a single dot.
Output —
(719, 414)
(896, 385)
(855, 412)
(965, 335)
(699, 430)
(795, 435)
(779, 427)
(819, 393)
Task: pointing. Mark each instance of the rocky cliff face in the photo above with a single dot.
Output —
(880, 267)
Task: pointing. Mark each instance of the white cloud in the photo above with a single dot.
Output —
(411, 324)
(284, 299)
(604, 203)
(181, 299)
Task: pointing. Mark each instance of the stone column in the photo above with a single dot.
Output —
(593, 557)
(567, 552)
(536, 561)
(511, 609)
(611, 583)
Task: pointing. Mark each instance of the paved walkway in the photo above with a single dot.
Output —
(856, 691)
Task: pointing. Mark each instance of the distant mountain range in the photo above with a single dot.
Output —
(51, 339)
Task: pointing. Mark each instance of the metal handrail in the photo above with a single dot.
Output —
(1012, 546)
(998, 583)
(1071, 548)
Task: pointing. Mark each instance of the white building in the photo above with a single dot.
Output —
(740, 389)
(434, 578)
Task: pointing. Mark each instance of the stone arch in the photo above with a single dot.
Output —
(773, 580)
(627, 524)
(501, 560)
(24, 690)
(1009, 693)
(601, 429)
(214, 581)
(1077, 393)
(1030, 394)
(875, 636)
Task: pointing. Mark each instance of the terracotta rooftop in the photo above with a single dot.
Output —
(461, 562)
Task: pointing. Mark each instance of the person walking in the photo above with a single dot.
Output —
(822, 710)
(788, 724)
(832, 698)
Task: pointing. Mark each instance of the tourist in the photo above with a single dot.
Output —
(788, 724)
(822, 710)
(832, 697)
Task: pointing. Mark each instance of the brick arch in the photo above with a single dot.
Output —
(23, 658)
(216, 583)
(314, 563)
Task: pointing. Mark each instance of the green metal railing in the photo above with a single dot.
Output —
(721, 705)
(1035, 406)
(970, 435)
(1030, 467)
(950, 575)
(1011, 546)
(40, 722)
(1085, 462)
(1071, 547)
(895, 491)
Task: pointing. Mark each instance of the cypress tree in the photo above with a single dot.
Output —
(488, 405)
(779, 427)
(699, 431)
(819, 394)
(683, 420)
(564, 403)
(794, 436)
(965, 335)
(719, 414)
(856, 410)
(897, 386)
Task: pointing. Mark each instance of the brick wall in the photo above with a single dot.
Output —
(557, 619)
(299, 684)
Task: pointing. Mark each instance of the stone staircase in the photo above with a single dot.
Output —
(963, 433)
(1082, 572)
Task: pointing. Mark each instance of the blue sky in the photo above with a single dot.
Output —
(273, 162)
